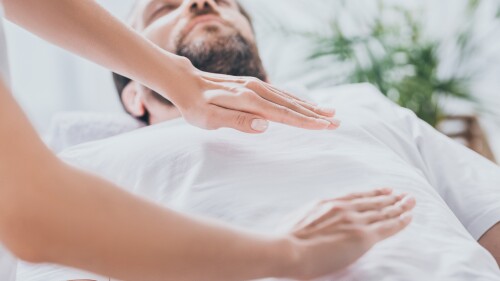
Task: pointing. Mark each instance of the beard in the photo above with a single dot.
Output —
(224, 54)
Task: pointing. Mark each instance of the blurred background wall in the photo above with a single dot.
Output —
(47, 79)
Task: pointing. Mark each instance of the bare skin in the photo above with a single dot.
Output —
(49, 211)
(491, 241)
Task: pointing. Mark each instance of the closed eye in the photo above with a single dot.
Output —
(162, 10)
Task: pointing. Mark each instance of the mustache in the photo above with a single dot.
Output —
(208, 11)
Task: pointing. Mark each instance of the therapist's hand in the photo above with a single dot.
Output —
(337, 232)
(212, 101)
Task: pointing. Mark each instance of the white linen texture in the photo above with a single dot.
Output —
(257, 181)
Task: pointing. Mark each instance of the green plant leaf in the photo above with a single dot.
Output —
(398, 60)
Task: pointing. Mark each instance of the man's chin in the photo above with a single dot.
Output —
(223, 51)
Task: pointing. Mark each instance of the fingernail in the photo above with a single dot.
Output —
(335, 122)
(332, 127)
(259, 125)
(409, 200)
(406, 217)
(324, 122)
(402, 200)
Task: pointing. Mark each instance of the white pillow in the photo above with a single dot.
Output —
(72, 128)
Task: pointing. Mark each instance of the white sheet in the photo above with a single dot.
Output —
(257, 181)
(47, 272)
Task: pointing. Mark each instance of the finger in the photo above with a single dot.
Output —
(245, 80)
(328, 207)
(387, 228)
(343, 214)
(375, 203)
(287, 94)
(323, 112)
(241, 121)
(394, 211)
(288, 101)
(328, 211)
(327, 112)
(284, 115)
(325, 212)
(371, 193)
(311, 217)
(252, 103)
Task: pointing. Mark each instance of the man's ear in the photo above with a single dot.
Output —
(132, 100)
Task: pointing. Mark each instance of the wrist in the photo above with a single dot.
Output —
(177, 74)
(285, 258)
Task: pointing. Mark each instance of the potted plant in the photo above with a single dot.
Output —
(396, 57)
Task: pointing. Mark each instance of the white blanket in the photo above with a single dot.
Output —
(257, 181)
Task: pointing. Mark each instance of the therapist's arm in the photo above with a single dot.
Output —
(87, 29)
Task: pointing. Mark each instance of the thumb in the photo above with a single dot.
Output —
(242, 121)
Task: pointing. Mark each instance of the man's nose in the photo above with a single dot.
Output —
(201, 6)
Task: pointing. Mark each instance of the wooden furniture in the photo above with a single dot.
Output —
(470, 134)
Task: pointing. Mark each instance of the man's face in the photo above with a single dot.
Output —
(169, 23)
(213, 34)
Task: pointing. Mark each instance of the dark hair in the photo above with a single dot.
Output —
(121, 81)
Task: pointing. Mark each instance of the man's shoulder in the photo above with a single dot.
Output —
(363, 93)
(356, 98)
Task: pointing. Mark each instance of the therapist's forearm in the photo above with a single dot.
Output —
(86, 29)
(50, 212)
(112, 233)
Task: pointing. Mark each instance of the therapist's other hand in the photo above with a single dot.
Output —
(212, 101)
(338, 232)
